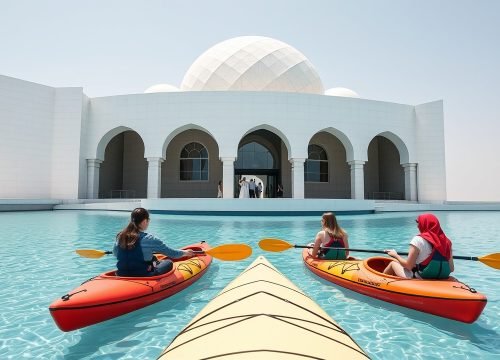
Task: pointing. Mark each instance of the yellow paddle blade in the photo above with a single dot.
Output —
(492, 260)
(230, 252)
(275, 245)
(91, 253)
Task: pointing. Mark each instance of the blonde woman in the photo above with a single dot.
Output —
(330, 236)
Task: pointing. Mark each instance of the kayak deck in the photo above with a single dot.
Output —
(262, 315)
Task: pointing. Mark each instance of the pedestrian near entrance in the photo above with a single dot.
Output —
(219, 189)
(251, 188)
(259, 190)
(279, 191)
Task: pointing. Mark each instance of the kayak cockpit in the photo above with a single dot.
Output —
(377, 264)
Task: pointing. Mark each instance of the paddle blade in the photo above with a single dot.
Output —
(90, 253)
(230, 252)
(492, 260)
(275, 245)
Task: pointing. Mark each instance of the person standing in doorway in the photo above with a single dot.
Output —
(251, 188)
(259, 190)
(279, 191)
(219, 189)
(244, 193)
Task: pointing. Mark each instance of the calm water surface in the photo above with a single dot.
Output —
(38, 264)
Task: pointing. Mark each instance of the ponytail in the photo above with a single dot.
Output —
(128, 237)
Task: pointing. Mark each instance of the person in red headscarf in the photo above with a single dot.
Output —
(430, 255)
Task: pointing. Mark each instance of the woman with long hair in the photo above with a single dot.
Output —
(330, 236)
(430, 254)
(134, 249)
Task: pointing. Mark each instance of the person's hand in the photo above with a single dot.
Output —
(189, 253)
(391, 252)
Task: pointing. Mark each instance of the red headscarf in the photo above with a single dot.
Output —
(430, 230)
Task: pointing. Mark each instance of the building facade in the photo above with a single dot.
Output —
(249, 107)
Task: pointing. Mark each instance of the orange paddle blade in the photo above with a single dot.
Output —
(230, 252)
(492, 260)
(91, 253)
(275, 245)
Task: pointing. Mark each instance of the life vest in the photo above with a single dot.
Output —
(131, 261)
(435, 266)
(333, 254)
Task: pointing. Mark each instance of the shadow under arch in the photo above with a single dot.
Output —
(326, 169)
(180, 130)
(106, 138)
(123, 171)
(192, 166)
(384, 176)
(273, 130)
(262, 159)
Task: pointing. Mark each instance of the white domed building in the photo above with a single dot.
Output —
(248, 106)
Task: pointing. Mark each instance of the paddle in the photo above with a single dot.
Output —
(277, 245)
(228, 252)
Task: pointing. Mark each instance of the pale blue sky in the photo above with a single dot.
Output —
(400, 51)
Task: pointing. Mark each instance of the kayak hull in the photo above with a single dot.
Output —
(447, 298)
(262, 315)
(107, 296)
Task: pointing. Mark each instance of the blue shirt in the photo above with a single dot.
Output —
(150, 244)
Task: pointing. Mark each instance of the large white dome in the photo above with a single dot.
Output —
(252, 63)
(340, 91)
(161, 88)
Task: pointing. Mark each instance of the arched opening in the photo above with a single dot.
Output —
(263, 158)
(192, 168)
(384, 175)
(124, 171)
(326, 172)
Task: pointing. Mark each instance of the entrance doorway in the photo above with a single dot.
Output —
(258, 159)
(268, 178)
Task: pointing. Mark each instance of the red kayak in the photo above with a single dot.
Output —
(107, 296)
(448, 298)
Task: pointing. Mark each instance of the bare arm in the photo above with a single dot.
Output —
(346, 243)
(450, 262)
(410, 261)
(317, 244)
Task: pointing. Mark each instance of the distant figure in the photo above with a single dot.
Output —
(330, 236)
(279, 191)
(134, 249)
(251, 188)
(244, 193)
(219, 189)
(430, 255)
(259, 190)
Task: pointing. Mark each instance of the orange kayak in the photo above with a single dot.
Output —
(107, 296)
(448, 298)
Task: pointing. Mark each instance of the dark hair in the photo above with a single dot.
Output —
(129, 235)
(331, 225)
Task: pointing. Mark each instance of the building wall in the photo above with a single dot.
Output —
(26, 140)
(430, 152)
(66, 143)
(64, 127)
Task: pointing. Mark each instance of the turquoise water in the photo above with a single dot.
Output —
(39, 264)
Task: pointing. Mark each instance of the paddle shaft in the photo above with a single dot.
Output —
(473, 258)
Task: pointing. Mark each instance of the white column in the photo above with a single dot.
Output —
(154, 177)
(357, 179)
(93, 166)
(410, 181)
(227, 177)
(297, 177)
